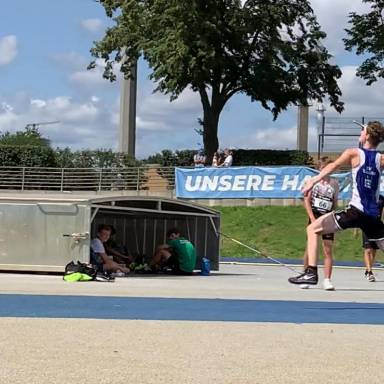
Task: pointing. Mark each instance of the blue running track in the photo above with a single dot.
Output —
(142, 308)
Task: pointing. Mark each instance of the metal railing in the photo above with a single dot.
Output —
(87, 179)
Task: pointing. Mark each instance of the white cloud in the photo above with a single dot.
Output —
(70, 61)
(8, 49)
(333, 18)
(92, 25)
(38, 103)
(265, 138)
(91, 79)
(148, 125)
(157, 108)
(359, 99)
(88, 78)
(7, 117)
(81, 124)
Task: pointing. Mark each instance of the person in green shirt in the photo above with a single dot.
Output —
(178, 254)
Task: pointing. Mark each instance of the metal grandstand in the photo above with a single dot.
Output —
(337, 133)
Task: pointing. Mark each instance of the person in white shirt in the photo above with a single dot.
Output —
(215, 159)
(199, 159)
(97, 245)
(228, 158)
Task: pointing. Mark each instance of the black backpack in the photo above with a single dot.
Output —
(82, 268)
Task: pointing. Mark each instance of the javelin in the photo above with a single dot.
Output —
(258, 252)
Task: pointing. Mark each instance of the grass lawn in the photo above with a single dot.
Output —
(278, 232)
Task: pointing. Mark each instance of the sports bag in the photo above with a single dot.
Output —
(79, 272)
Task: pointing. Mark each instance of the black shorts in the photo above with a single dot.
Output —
(326, 236)
(351, 217)
(173, 264)
(368, 244)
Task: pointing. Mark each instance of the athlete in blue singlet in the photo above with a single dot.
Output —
(363, 209)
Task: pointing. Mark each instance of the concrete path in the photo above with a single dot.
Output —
(245, 324)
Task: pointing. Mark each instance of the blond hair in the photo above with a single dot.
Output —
(375, 130)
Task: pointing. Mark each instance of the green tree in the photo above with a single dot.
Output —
(30, 136)
(366, 35)
(269, 50)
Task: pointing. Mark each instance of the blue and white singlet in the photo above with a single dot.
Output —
(366, 182)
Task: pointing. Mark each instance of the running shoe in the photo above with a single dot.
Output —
(308, 277)
(370, 276)
(104, 276)
(327, 285)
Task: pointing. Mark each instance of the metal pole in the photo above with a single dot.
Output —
(100, 179)
(23, 179)
(323, 134)
(138, 179)
(62, 180)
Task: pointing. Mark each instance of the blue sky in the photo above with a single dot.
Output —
(44, 51)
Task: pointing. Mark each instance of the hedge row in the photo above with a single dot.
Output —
(241, 157)
(44, 156)
(271, 157)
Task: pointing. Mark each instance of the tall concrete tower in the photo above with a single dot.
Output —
(302, 128)
(127, 128)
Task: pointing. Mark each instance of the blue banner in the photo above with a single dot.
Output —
(249, 182)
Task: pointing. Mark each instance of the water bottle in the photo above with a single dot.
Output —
(205, 267)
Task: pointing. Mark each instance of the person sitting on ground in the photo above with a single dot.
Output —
(118, 252)
(97, 245)
(178, 254)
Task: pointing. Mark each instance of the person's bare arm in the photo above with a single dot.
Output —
(308, 207)
(114, 252)
(104, 257)
(348, 157)
(336, 195)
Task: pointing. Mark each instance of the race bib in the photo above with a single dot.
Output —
(322, 205)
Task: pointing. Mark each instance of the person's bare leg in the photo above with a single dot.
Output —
(305, 259)
(162, 254)
(328, 258)
(324, 224)
(111, 266)
(369, 258)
